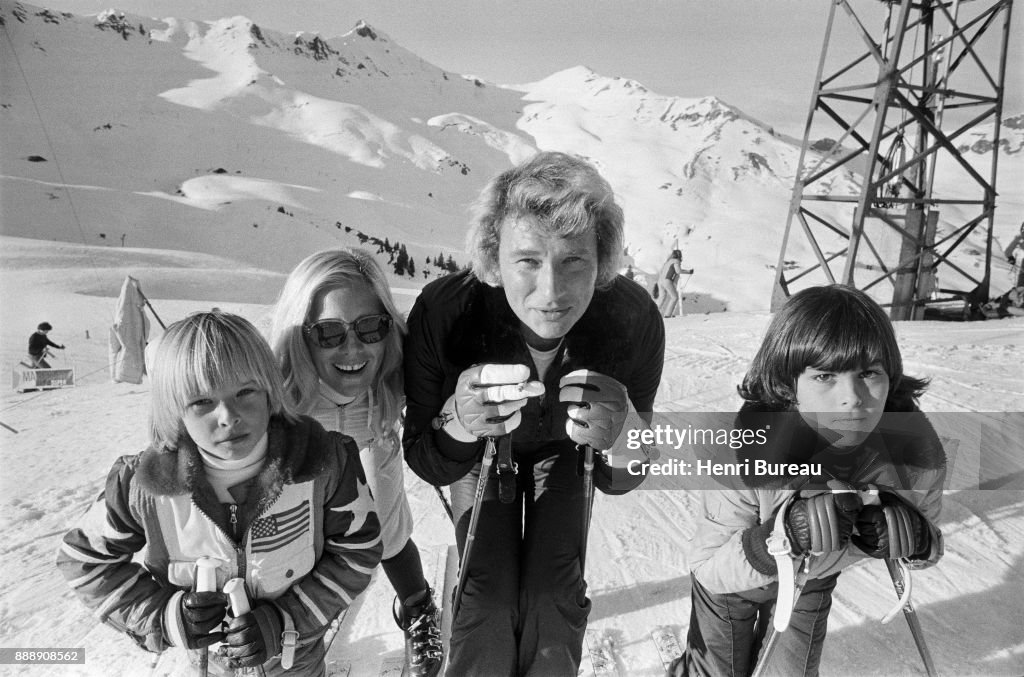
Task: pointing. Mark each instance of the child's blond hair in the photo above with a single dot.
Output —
(198, 354)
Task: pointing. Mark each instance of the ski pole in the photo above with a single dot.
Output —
(896, 573)
(681, 290)
(205, 581)
(490, 451)
(588, 500)
(772, 638)
(235, 590)
(446, 504)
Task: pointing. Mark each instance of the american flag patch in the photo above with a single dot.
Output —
(278, 530)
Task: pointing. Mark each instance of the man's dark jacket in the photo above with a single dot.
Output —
(458, 322)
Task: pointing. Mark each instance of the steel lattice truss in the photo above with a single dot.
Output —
(866, 205)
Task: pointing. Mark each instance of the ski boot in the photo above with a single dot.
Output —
(420, 620)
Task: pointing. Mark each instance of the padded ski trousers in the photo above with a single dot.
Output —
(524, 610)
(727, 631)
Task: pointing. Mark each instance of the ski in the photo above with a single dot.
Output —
(392, 666)
(602, 653)
(664, 638)
(448, 563)
(338, 668)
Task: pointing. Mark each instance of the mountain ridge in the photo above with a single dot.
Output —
(238, 140)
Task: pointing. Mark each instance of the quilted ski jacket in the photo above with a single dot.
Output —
(459, 321)
(904, 456)
(307, 536)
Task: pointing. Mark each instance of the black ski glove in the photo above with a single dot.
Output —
(254, 637)
(817, 521)
(202, 613)
(1011, 259)
(892, 530)
(822, 523)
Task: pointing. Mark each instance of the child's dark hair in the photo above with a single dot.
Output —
(834, 328)
(44, 326)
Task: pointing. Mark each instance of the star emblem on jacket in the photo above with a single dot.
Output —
(360, 507)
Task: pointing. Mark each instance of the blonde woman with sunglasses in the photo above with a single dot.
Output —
(337, 336)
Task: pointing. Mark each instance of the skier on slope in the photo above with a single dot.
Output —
(668, 278)
(828, 380)
(38, 343)
(544, 342)
(334, 314)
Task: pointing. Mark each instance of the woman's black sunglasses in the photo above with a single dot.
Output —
(332, 333)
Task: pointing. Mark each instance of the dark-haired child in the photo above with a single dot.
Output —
(829, 380)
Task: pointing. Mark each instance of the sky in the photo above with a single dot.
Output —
(757, 55)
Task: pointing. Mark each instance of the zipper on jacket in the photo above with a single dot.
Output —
(239, 546)
(239, 551)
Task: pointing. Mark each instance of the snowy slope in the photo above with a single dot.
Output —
(971, 605)
(206, 159)
(249, 143)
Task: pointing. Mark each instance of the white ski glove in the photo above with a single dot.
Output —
(598, 408)
(487, 400)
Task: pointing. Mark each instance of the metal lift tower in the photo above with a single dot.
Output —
(866, 206)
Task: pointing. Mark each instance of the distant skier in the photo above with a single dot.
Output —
(1017, 242)
(668, 278)
(38, 343)
(828, 379)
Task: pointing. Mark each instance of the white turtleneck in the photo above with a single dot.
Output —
(224, 474)
(345, 414)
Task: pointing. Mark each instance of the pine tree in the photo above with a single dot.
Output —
(402, 261)
(411, 269)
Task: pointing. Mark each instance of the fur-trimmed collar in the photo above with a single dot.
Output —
(295, 453)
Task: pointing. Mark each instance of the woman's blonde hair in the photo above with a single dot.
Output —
(202, 353)
(318, 273)
(566, 195)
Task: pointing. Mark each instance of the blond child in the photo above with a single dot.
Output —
(231, 474)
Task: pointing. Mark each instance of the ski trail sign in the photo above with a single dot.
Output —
(602, 654)
(667, 643)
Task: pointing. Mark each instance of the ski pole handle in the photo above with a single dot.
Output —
(205, 581)
(235, 590)
(869, 495)
(206, 574)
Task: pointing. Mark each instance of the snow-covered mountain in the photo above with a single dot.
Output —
(207, 158)
(235, 140)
